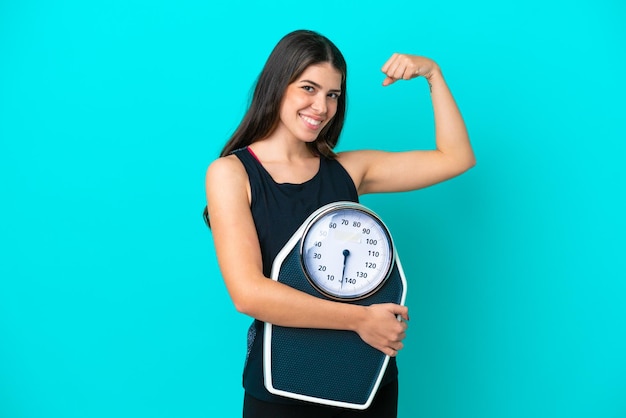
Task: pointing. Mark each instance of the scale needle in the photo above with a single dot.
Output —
(346, 253)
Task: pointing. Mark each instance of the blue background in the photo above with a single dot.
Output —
(111, 302)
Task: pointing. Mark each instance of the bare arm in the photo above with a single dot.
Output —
(377, 171)
(239, 258)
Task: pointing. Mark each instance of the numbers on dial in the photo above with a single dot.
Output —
(347, 252)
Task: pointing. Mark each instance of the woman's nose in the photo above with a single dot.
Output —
(319, 104)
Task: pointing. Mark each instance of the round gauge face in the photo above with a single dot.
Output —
(347, 252)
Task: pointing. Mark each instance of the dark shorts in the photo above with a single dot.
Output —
(384, 405)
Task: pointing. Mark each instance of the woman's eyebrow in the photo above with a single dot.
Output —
(318, 86)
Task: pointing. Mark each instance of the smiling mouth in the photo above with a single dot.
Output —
(310, 121)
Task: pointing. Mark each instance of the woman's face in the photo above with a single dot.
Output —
(310, 102)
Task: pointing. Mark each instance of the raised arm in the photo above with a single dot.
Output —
(377, 171)
(239, 258)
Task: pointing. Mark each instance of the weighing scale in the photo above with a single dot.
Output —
(342, 252)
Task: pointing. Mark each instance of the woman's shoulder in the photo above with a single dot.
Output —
(227, 181)
(226, 168)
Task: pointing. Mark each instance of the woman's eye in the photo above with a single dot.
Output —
(334, 96)
(308, 88)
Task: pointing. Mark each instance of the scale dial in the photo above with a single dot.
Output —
(346, 251)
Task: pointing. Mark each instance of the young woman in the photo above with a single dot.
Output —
(279, 167)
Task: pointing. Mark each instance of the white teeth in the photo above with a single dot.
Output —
(310, 120)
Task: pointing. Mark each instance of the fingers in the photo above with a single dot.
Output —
(399, 310)
(398, 332)
(406, 67)
(387, 70)
(399, 66)
(393, 349)
(388, 80)
(397, 345)
(384, 328)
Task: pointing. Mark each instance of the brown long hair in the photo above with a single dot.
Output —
(293, 54)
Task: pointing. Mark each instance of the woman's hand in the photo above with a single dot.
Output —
(406, 67)
(381, 328)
